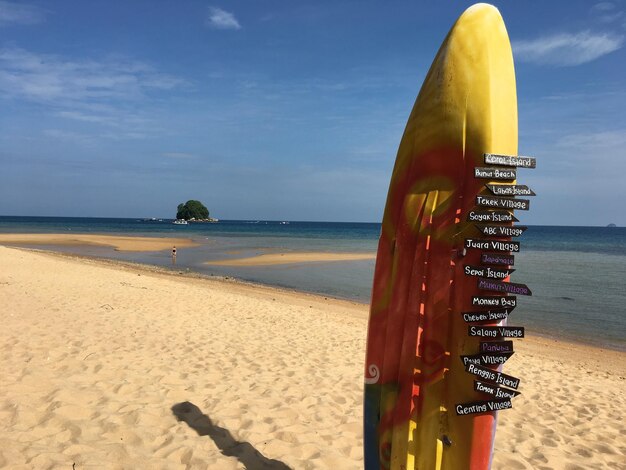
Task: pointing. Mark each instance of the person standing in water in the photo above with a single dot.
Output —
(174, 255)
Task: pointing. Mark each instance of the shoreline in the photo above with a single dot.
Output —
(314, 272)
(176, 273)
(117, 242)
(563, 343)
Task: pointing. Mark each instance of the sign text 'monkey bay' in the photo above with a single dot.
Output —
(506, 301)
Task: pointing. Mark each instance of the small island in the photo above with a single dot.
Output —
(192, 211)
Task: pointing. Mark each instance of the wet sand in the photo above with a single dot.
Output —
(270, 259)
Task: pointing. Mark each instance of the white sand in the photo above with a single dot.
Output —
(94, 356)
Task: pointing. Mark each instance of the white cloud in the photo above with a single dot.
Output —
(20, 13)
(95, 93)
(80, 116)
(41, 77)
(606, 12)
(220, 19)
(603, 6)
(599, 143)
(567, 49)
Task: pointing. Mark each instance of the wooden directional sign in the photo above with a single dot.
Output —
(497, 202)
(508, 287)
(501, 230)
(510, 160)
(498, 392)
(476, 407)
(497, 258)
(508, 302)
(486, 271)
(491, 216)
(492, 245)
(493, 376)
(489, 315)
(486, 359)
(510, 190)
(496, 347)
(495, 331)
(491, 173)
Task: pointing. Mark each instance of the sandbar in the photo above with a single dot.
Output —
(118, 242)
(270, 259)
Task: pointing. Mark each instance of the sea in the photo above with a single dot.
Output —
(577, 274)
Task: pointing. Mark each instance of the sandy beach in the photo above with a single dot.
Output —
(106, 365)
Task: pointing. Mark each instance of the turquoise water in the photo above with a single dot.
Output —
(577, 274)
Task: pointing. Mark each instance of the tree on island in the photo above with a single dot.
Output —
(192, 209)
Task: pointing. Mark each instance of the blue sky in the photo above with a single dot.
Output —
(285, 110)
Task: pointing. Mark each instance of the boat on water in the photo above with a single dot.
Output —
(180, 222)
